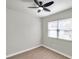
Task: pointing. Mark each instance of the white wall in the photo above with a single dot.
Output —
(23, 31)
(59, 45)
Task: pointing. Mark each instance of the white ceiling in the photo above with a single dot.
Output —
(21, 5)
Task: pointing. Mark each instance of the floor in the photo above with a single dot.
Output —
(39, 53)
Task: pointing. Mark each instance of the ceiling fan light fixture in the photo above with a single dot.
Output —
(40, 8)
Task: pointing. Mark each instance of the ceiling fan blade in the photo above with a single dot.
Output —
(48, 4)
(36, 1)
(32, 7)
(46, 9)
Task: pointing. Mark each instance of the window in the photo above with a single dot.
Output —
(61, 29)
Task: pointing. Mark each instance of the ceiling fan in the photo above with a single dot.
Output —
(42, 6)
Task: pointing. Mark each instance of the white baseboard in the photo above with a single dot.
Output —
(22, 51)
(37, 47)
(57, 51)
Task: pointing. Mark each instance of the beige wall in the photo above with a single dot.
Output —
(23, 31)
(60, 45)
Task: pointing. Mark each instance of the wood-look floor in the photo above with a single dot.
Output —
(39, 53)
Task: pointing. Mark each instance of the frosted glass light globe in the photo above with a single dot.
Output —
(40, 8)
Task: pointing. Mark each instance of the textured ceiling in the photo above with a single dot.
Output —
(21, 5)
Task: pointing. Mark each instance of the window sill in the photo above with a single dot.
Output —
(60, 39)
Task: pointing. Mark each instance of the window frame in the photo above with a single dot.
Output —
(60, 30)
